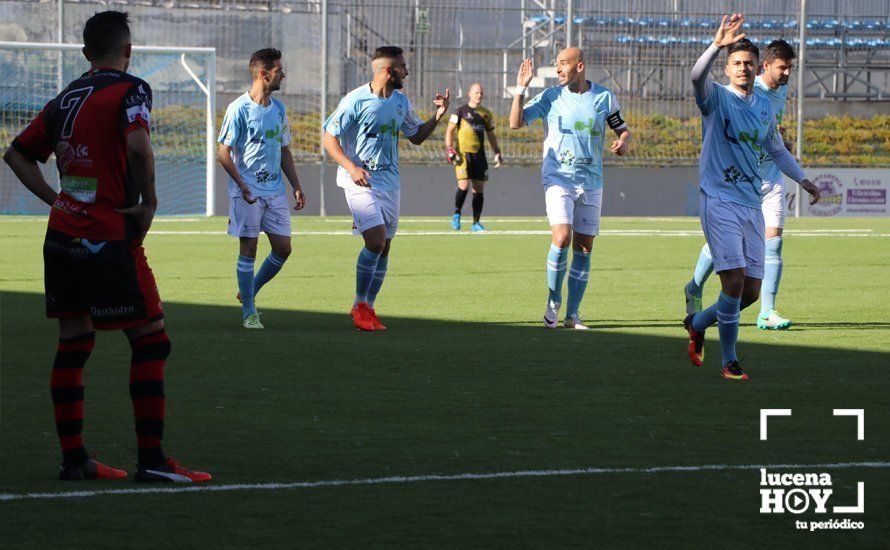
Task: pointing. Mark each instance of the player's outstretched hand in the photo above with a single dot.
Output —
(810, 188)
(142, 215)
(619, 147)
(441, 102)
(526, 72)
(360, 176)
(728, 32)
(300, 198)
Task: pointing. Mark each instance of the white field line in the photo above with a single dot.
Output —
(514, 232)
(400, 480)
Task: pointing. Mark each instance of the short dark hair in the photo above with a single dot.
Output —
(778, 49)
(743, 45)
(106, 32)
(263, 59)
(387, 52)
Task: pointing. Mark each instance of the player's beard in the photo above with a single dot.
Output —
(397, 83)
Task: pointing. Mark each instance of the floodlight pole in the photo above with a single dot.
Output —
(60, 34)
(569, 17)
(324, 104)
(801, 60)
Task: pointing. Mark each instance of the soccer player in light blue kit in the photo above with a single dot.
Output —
(575, 115)
(362, 136)
(738, 133)
(254, 140)
(772, 84)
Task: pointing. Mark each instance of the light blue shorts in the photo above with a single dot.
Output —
(372, 207)
(268, 214)
(735, 234)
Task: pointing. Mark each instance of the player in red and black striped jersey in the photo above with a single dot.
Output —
(95, 270)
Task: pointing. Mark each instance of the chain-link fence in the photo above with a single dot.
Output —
(641, 49)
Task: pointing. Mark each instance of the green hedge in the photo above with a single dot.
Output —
(658, 139)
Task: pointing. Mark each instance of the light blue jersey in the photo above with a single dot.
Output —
(734, 130)
(777, 98)
(367, 127)
(256, 135)
(574, 133)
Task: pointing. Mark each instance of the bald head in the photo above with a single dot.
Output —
(474, 94)
(570, 69)
(571, 54)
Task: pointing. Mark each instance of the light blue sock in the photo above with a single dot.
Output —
(245, 285)
(705, 318)
(703, 269)
(270, 268)
(364, 273)
(577, 284)
(772, 274)
(728, 324)
(379, 275)
(556, 271)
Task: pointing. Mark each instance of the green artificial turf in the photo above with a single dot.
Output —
(465, 381)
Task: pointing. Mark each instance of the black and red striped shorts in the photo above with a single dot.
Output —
(108, 280)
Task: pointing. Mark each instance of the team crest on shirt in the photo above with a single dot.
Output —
(567, 158)
(732, 175)
(764, 117)
(401, 110)
(262, 175)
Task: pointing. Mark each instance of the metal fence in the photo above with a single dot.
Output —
(641, 49)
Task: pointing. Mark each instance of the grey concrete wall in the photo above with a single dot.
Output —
(516, 191)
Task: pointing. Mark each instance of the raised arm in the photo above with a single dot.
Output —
(727, 33)
(441, 102)
(523, 79)
(700, 72)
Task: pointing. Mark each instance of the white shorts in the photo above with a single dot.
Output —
(773, 203)
(735, 235)
(576, 207)
(268, 214)
(372, 207)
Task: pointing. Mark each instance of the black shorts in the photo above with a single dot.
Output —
(471, 166)
(108, 280)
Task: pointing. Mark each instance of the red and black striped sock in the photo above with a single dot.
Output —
(66, 387)
(150, 354)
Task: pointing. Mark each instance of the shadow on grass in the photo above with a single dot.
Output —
(313, 398)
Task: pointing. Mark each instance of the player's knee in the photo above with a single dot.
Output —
(733, 285)
(155, 342)
(562, 238)
(283, 251)
(375, 245)
(749, 296)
